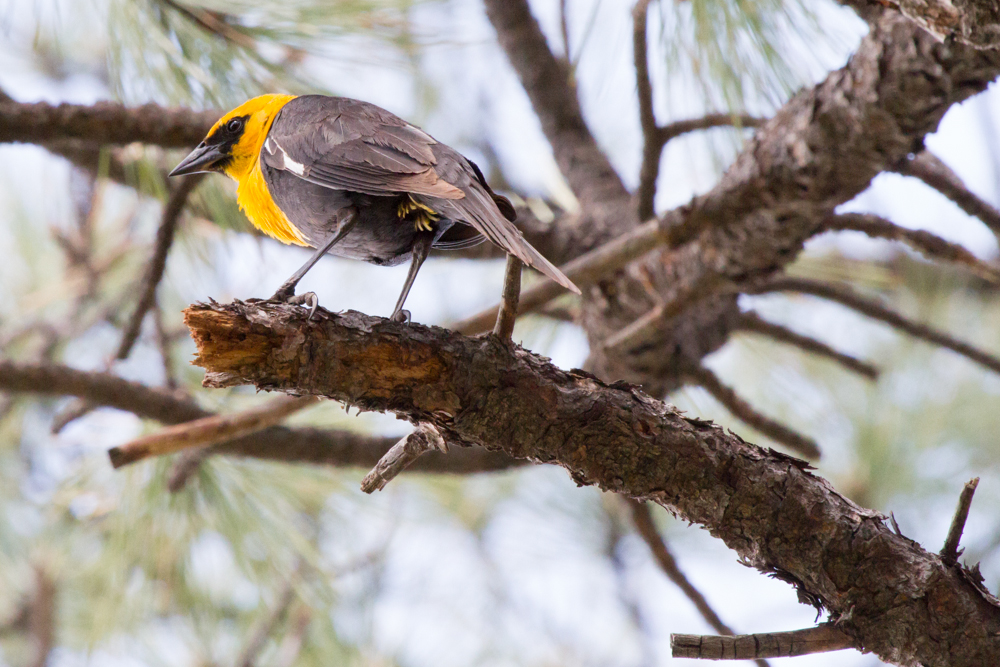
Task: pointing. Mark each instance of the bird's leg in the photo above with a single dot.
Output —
(421, 248)
(286, 292)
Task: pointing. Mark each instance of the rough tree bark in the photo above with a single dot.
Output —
(896, 599)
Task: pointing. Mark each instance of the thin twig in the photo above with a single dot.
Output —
(163, 342)
(263, 629)
(707, 122)
(147, 292)
(185, 467)
(931, 170)
(820, 639)
(746, 413)
(875, 310)
(504, 327)
(157, 262)
(950, 552)
(756, 324)
(42, 617)
(651, 149)
(210, 22)
(291, 644)
(209, 430)
(564, 29)
(277, 443)
(423, 439)
(646, 527)
(933, 247)
(671, 229)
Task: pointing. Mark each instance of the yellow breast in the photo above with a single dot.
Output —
(255, 200)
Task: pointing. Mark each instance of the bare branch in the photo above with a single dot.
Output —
(163, 342)
(821, 639)
(873, 309)
(705, 378)
(546, 79)
(186, 465)
(42, 617)
(291, 645)
(209, 431)
(277, 443)
(507, 313)
(651, 149)
(930, 169)
(103, 123)
(679, 127)
(266, 626)
(590, 267)
(934, 247)
(756, 324)
(950, 551)
(644, 525)
(157, 262)
(423, 439)
(482, 391)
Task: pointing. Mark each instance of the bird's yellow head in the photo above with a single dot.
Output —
(233, 144)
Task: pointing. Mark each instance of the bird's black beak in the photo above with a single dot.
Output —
(199, 160)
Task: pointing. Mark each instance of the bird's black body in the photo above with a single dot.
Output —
(357, 181)
(355, 154)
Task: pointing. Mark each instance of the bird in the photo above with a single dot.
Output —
(351, 179)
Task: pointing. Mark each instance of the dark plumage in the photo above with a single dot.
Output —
(327, 160)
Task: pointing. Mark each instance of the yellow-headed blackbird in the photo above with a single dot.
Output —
(349, 178)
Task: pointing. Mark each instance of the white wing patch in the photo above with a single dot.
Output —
(273, 147)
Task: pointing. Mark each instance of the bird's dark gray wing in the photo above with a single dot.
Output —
(350, 145)
(346, 144)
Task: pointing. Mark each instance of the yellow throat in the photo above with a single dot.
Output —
(251, 191)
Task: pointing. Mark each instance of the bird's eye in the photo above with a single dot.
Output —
(235, 125)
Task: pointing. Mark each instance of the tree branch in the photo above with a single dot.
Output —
(546, 79)
(950, 552)
(103, 123)
(507, 313)
(873, 309)
(930, 169)
(821, 639)
(642, 518)
(710, 382)
(208, 431)
(651, 147)
(157, 262)
(425, 438)
(277, 443)
(756, 324)
(933, 247)
(768, 507)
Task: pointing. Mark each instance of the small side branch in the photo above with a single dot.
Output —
(679, 127)
(931, 246)
(649, 171)
(930, 169)
(950, 552)
(209, 430)
(507, 314)
(157, 262)
(821, 639)
(424, 438)
(265, 627)
(746, 413)
(671, 229)
(875, 310)
(642, 518)
(754, 323)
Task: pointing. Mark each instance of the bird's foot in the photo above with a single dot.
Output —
(287, 295)
(402, 316)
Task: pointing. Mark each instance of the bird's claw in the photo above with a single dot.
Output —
(402, 316)
(310, 299)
